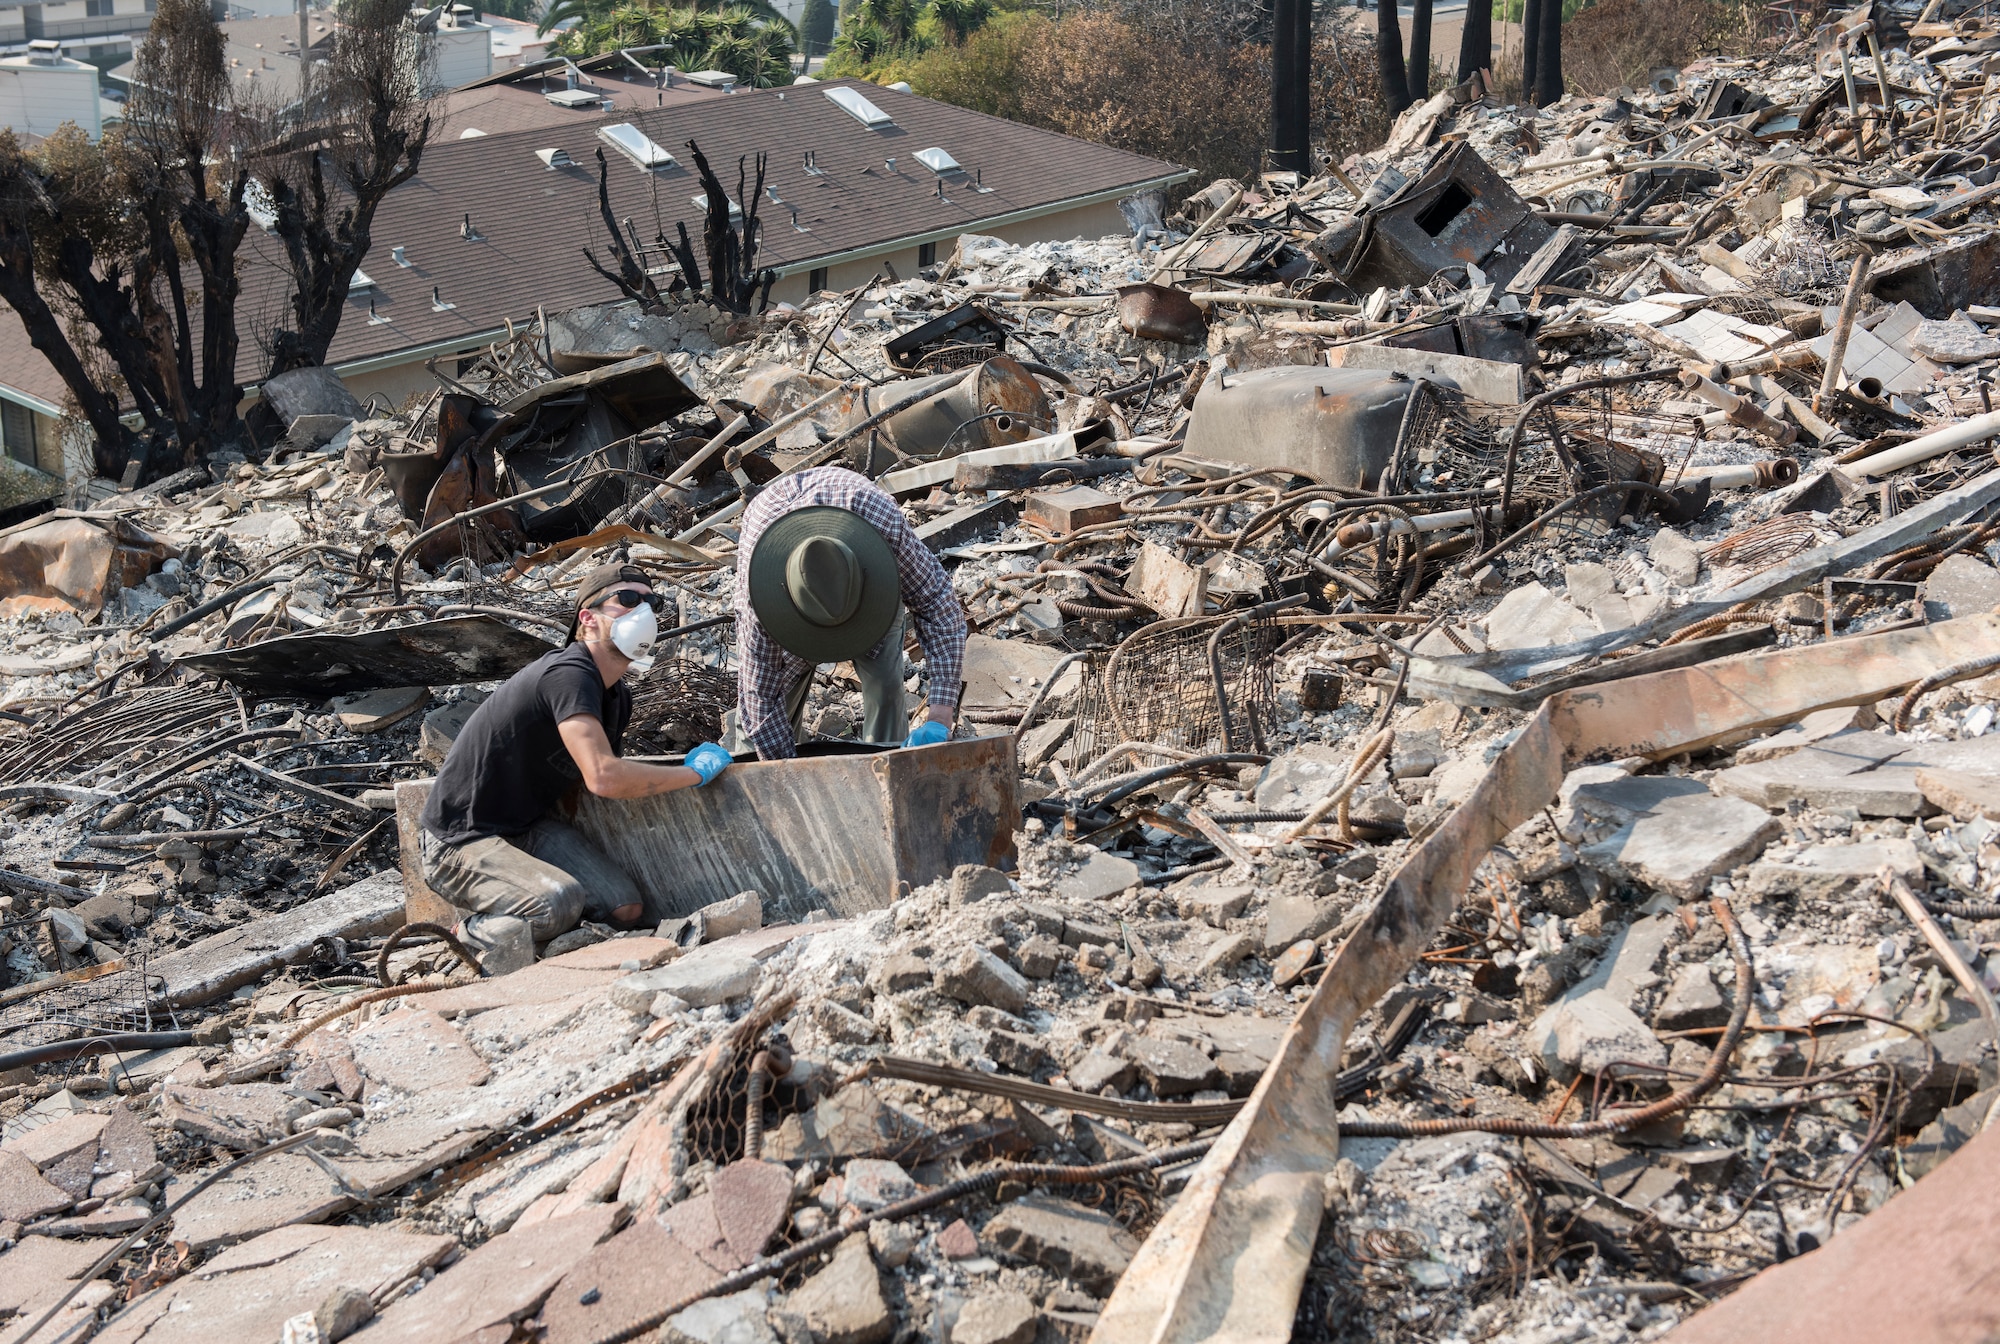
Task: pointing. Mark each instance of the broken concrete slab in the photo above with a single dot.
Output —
(416, 1050)
(1101, 877)
(1691, 1002)
(277, 1192)
(1848, 769)
(1960, 586)
(224, 962)
(1064, 1238)
(1812, 728)
(1963, 794)
(1830, 870)
(732, 1318)
(1172, 1068)
(239, 1116)
(975, 976)
(502, 1282)
(1672, 833)
(996, 1318)
(24, 1194)
(642, 1269)
(1532, 617)
(372, 711)
(249, 1291)
(843, 1303)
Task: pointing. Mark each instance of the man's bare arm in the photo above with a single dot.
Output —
(610, 776)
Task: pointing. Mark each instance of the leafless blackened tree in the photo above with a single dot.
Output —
(1389, 57)
(121, 256)
(733, 277)
(630, 276)
(363, 124)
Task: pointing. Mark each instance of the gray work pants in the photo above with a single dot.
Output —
(885, 705)
(522, 890)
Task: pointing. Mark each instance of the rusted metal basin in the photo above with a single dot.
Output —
(1333, 426)
(1160, 313)
(846, 834)
(1000, 403)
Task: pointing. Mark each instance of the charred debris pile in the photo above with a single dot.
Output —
(1492, 651)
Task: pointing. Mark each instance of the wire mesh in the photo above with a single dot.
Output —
(118, 1001)
(141, 720)
(1159, 686)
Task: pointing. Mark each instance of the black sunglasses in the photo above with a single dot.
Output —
(632, 597)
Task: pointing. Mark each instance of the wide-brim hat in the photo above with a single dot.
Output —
(823, 584)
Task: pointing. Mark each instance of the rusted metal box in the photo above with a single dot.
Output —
(846, 834)
(1334, 426)
(1458, 213)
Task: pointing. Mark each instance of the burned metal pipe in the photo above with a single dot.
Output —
(1961, 435)
(1741, 410)
(1356, 535)
(1843, 330)
(1774, 361)
(1779, 471)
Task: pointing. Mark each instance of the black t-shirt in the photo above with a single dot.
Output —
(509, 765)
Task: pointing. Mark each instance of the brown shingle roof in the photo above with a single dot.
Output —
(535, 222)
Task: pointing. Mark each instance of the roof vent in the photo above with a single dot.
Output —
(553, 159)
(471, 133)
(712, 79)
(45, 51)
(901, 86)
(575, 98)
(854, 105)
(397, 254)
(804, 79)
(635, 145)
(360, 282)
(938, 161)
(701, 204)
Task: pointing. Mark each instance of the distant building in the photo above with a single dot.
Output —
(43, 89)
(493, 227)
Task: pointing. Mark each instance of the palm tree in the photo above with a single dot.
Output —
(586, 12)
(960, 18)
(896, 18)
(861, 41)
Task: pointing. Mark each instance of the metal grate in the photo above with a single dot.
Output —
(118, 1001)
(1160, 687)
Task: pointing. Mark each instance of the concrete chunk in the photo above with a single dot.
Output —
(1591, 1033)
(996, 1318)
(1675, 836)
(1101, 877)
(217, 965)
(1064, 1238)
(1172, 1068)
(976, 976)
(24, 1195)
(1847, 770)
(1827, 870)
(700, 980)
(1693, 1001)
(1961, 793)
(1960, 586)
(843, 1303)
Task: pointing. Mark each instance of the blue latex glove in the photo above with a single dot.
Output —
(927, 734)
(708, 761)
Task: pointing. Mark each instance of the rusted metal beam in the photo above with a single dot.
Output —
(1230, 1258)
(841, 833)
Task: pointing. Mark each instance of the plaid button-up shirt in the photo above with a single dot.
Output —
(766, 669)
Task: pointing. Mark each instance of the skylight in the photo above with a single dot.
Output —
(635, 145)
(938, 161)
(854, 105)
(701, 204)
(360, 282)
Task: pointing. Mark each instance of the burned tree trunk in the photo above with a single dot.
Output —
(1475, 43)
(1549, 58)
(370, 134)
(1531, 36)
(1419, 76)
(1389, 57)
(1291, 86)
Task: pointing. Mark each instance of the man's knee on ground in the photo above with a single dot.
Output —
(628, 914)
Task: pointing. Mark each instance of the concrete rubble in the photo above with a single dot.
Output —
(1265, 585)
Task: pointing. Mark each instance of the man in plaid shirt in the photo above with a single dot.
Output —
(826, 564)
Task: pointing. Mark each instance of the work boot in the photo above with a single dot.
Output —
(503, 943)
